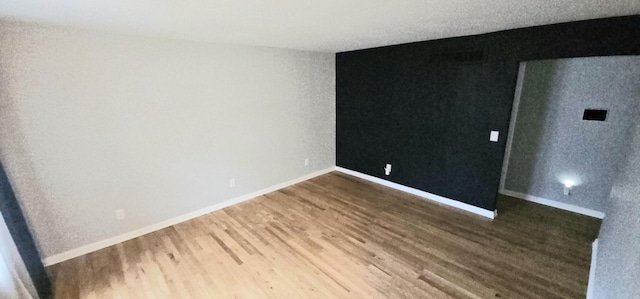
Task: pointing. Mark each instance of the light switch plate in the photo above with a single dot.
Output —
(494, 136)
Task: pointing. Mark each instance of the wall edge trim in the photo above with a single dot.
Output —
(426, 195)
(515, 108)
(592, 269)
(554, 204)
(85, 249)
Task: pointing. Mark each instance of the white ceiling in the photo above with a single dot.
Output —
(320, 25)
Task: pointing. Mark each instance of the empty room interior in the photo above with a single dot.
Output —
(332, 149)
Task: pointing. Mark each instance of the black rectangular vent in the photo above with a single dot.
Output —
(595, 114)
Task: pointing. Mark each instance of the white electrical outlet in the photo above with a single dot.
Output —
(387, 169)
(232, 183)
(120, 214)
(567, 190)
(306, 162)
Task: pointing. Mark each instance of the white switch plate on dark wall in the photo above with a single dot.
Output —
(494, 136)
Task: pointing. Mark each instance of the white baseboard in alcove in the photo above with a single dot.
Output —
(554, 204)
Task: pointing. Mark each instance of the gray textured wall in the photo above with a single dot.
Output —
(552, 143)
(618, 261)
(91, 122)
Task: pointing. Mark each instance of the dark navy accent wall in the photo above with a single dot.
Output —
(428, 107)
(19, 231)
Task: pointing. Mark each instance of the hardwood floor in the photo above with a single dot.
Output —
(338, 236)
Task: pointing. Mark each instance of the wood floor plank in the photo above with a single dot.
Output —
(337, 236)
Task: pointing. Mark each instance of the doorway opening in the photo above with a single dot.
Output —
(569, 121)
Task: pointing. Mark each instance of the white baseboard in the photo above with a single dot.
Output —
(57, 258)
(554, 204)
(592, 269)
(423, 194)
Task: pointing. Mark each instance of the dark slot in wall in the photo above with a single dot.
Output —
(595, 114)
(428, 107)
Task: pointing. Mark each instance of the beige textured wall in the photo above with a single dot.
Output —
(91, 122)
